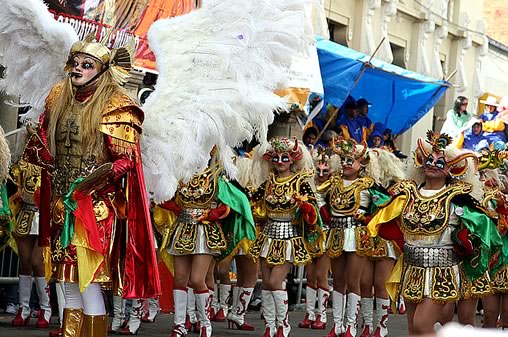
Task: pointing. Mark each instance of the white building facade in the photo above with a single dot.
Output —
(438, 38)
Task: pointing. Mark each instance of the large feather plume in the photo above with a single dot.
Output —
(35, 48)
(218, 68)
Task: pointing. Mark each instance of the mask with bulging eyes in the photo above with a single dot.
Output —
(278, 158)
(347, 161)
(439, 163)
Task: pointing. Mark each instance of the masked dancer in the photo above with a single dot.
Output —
(285, 200)
(443, 224)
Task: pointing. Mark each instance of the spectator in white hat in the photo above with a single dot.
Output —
(493, 126)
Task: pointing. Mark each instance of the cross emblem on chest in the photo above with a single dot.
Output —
(67, 129)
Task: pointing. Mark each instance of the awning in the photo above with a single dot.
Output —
(399, 97)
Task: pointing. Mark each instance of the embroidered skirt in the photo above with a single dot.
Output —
(500, 281)
(430, 273)
(478, 288)
(280, 242)
(347, 235)
(26, 221)
(382, 249)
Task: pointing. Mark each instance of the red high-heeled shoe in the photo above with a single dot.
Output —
(18, 320)
(332, 333)
(41, 321)
(235, 325)
(219, 316)
(306, 322)
(318, 324)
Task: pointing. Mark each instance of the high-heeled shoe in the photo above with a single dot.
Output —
(332, 333)
(19, 321)
(219, 316)
(236, 326)
(318, 324)
(56, 333)
(178, 331)
(42, 323)
(306, 322)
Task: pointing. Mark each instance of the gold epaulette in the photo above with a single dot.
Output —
(122, 120)
(53, 94)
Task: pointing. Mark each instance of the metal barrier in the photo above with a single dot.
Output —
(9, 266)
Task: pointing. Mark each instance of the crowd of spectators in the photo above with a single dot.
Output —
(350, 121)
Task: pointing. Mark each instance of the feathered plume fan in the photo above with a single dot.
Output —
(35, 48)
(218, 68)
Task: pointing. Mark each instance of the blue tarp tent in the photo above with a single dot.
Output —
(399, 97)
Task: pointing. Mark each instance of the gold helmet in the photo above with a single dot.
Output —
(117, 61)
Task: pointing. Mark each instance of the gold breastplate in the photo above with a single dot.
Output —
(200, 191)
(345, 200)
(70, 161)
(279, 195)
(428, 215)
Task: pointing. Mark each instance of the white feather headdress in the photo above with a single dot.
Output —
(35, 48)
(218, 68)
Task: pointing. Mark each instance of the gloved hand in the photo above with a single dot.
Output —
(172, 206)
(215, 214)
(325, 215)
(461, 242)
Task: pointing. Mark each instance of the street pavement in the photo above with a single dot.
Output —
(397, 327)
(161, 327)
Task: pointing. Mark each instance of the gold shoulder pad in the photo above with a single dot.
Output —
(53, 94)
(122, 118)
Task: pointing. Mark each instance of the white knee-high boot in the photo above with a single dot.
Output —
(43, 294)
(310, 308)
(237, 314)
(353, 306)
(338, 314)
(191, 306)
(214, 301)
(323, 295)
(280, 298)
(25, 289)
(118, 313)
(382, 314)
(181, 299)
(224, 295)
(134, 318)
(367, 310)
(269, 313)
(234, 299)
(60, 296)
(153, 309)
(203, 306)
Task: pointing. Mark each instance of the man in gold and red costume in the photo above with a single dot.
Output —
(94, 208)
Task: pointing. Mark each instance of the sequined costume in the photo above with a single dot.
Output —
(210, 216)
(190, 236)
(25, 214)
(285, 207)
(94, 208)
(25, 185)
(284, 236)
(347, 199)
(111, 202)
(441, 229)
